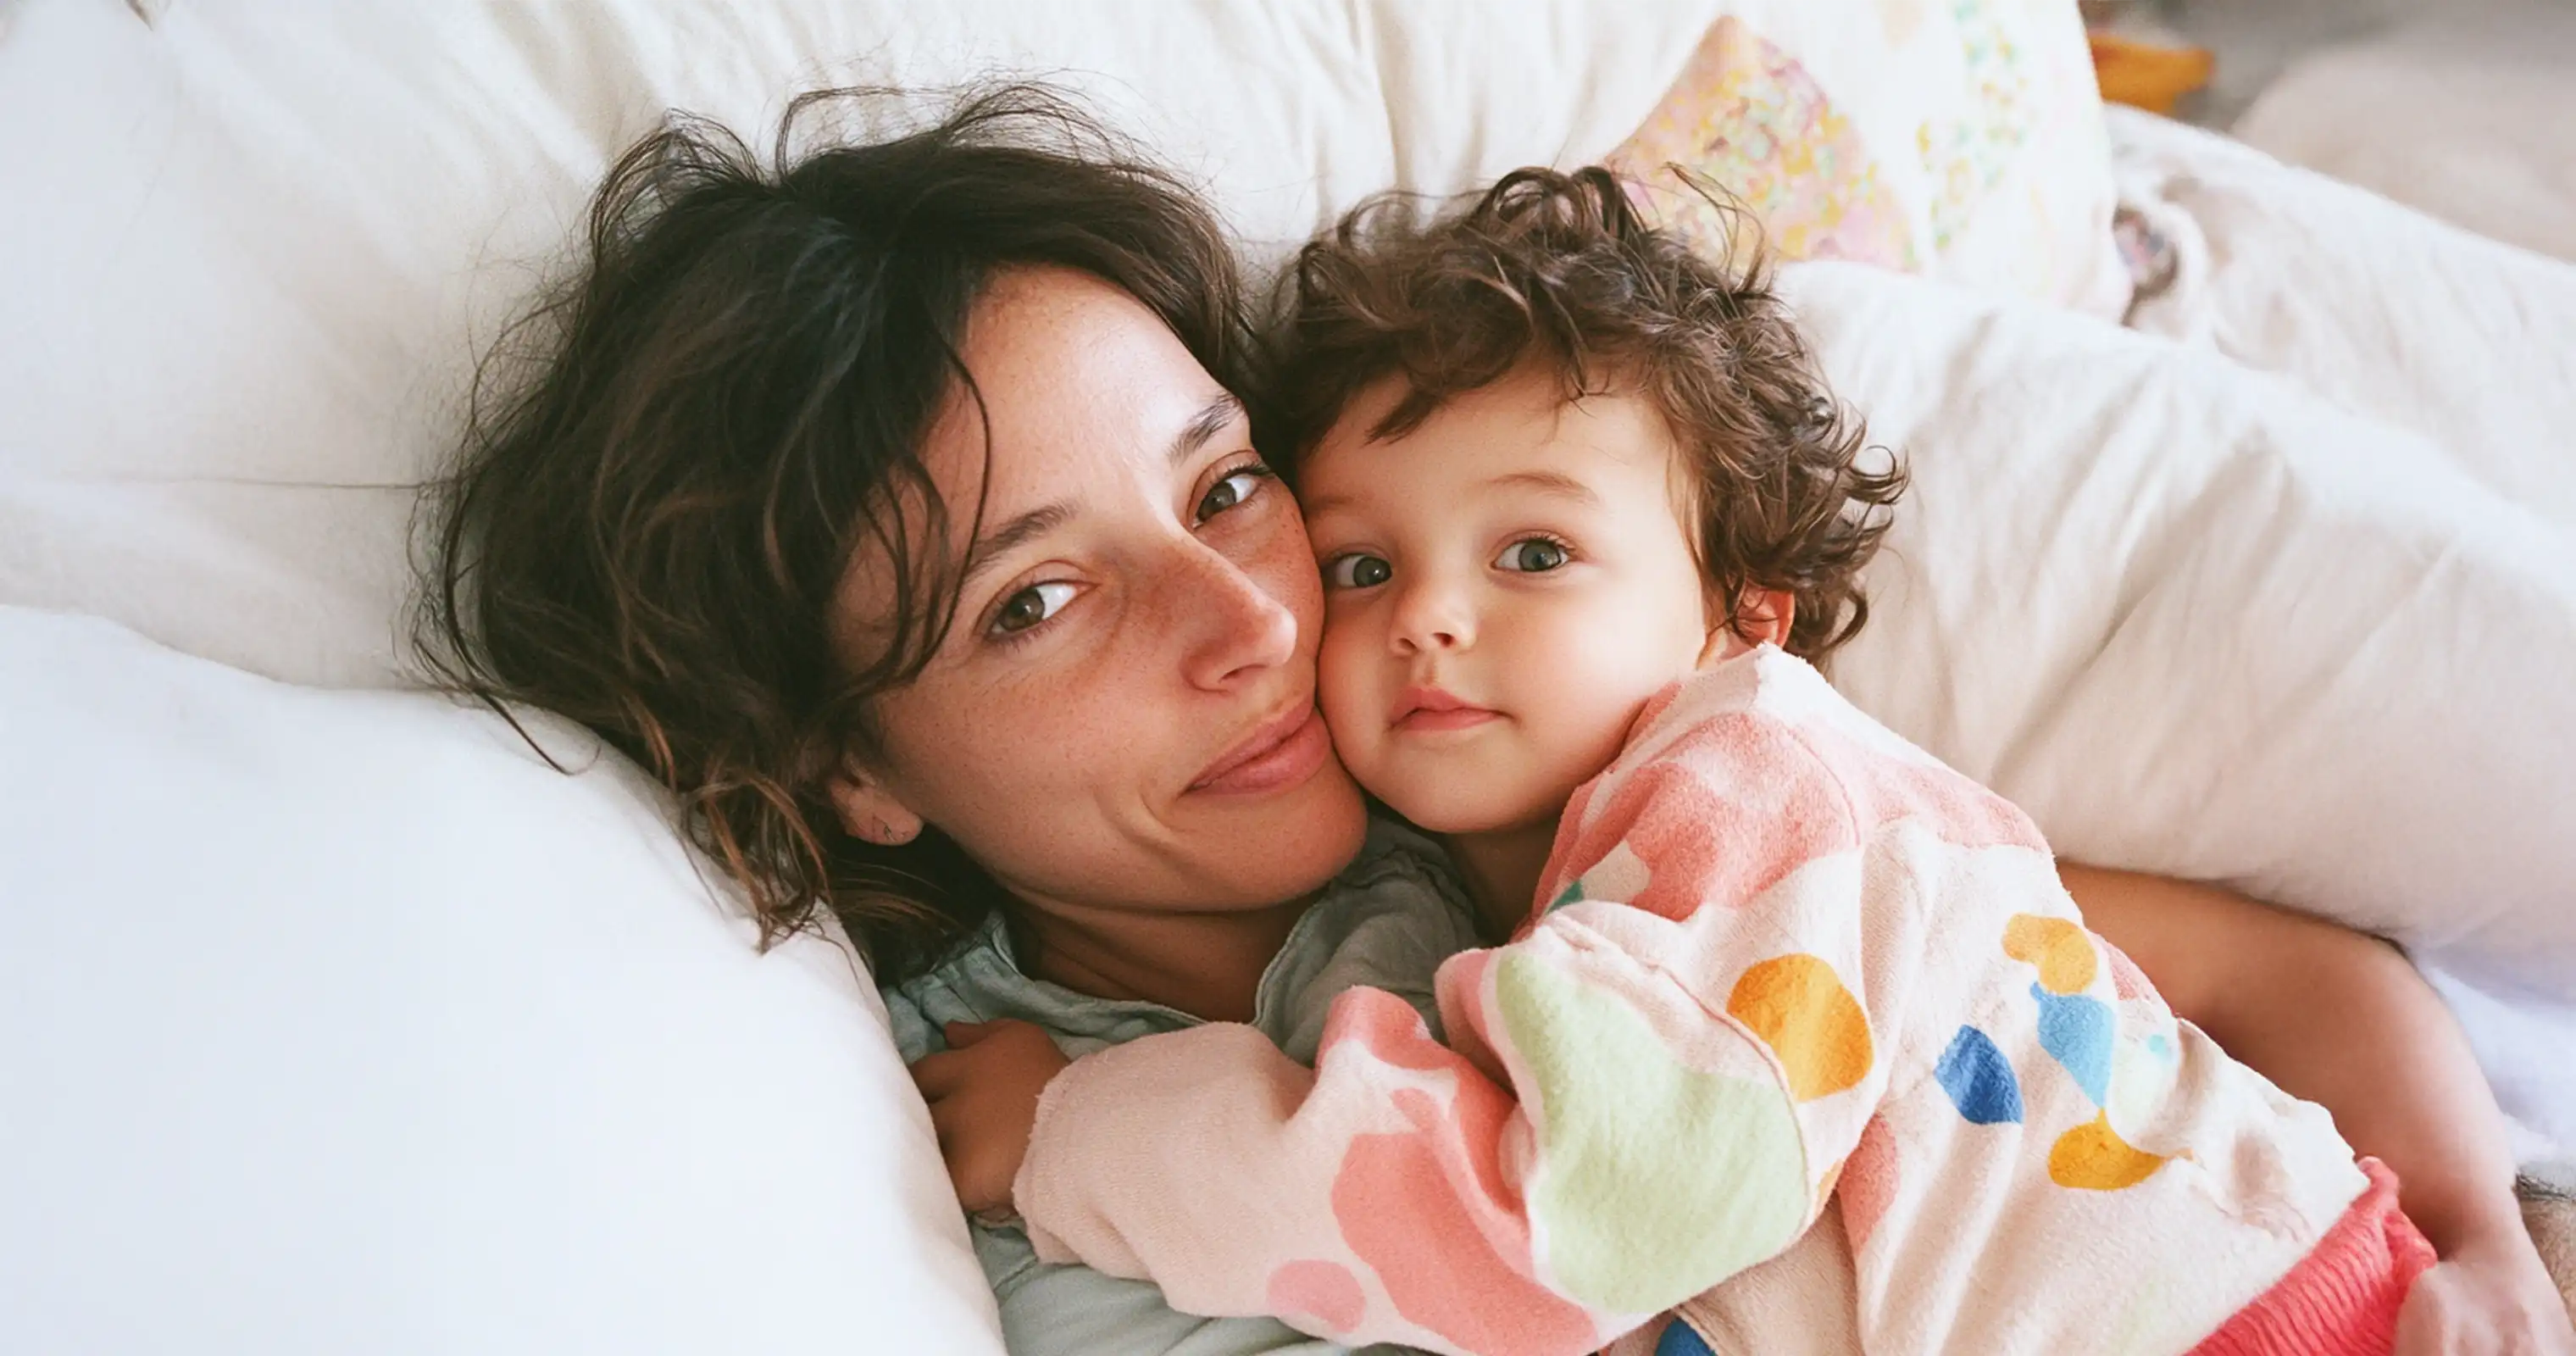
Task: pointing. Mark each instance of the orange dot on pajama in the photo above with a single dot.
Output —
(1324, 1291)
(1811, 1022)
(2093, 1157)
(2062, 951)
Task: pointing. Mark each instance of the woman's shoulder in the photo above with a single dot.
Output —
(1387, 918)
(1395, 850)
(1387, 921)
(953, 988)
(1400, 879)
(980, 980)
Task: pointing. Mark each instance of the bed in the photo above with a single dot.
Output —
(333, 1018)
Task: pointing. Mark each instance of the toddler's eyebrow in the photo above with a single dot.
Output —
(1554, 483)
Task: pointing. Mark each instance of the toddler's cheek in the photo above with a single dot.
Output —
(1342, 694)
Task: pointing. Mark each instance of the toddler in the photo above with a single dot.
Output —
(1579, 499)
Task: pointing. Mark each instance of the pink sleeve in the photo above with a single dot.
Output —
(1647, 1092)
(1645, 1096)
(1542, 1201)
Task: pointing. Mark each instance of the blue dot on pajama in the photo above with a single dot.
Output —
(1979, 1079)
(1680, 1340)
(2078, 1032)
(1572, 894)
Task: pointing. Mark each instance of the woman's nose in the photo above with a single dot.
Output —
(1432, 613)
(1241, 629)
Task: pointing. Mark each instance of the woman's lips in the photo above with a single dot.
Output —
(1283, 753)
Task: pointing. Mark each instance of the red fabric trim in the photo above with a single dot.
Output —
(2342, 1299)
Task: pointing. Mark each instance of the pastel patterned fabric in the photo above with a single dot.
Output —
(1784, 956)
(1963, 139)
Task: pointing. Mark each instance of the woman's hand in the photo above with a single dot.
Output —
(2489, 1297)
(2342, 1019)
(983, 1093)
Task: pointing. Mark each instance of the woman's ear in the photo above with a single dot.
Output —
(870, 812)
(1763, 616)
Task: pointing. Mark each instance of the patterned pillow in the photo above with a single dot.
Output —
(1961, 139)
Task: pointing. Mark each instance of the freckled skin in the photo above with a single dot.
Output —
(1100, 667)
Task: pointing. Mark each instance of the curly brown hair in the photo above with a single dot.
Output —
(1559, 268)
(672, 463)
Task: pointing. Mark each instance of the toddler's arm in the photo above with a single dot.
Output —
(1543, 1199)
(1645, 1096)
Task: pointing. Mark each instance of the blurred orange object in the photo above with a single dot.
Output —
(2147, 75)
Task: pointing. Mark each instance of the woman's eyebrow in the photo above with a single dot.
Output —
(1210, 421)
(1001, 541)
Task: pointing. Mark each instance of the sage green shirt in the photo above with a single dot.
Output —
(1386, 921)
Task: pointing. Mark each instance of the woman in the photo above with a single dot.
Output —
(898, 506)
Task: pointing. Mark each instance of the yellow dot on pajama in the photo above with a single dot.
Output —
(2093, 1157)
(1811, 1022)
(2062, 951)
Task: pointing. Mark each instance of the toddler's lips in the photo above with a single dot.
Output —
(1427, 721)
(1427, 710)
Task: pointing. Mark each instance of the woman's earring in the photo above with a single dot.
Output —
(868, 813)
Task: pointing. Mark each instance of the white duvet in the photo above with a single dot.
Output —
(2469, 344)
(331, 1022)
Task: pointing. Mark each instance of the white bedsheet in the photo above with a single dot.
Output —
(2467, 116)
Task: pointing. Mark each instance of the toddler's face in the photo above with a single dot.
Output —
(1504, 587)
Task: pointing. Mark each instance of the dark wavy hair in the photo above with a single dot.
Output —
(1559, 269)
(671, 462)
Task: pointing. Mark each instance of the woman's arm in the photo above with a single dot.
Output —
(2334, 1016)
(2342, 1019)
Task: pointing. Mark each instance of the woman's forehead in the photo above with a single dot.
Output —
(1072, 376)
(1080, 395)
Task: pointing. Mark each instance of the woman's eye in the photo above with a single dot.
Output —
(1030, 606)
(1537, 555)
(1231, 491)
(1357, 570)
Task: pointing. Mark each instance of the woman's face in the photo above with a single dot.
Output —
(1122, 717)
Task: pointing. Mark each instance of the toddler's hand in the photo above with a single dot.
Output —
(2486, 1300)
(983, 1094)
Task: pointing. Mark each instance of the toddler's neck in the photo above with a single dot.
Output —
(1501, 869)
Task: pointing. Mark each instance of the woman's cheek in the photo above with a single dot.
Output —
(1285, 560)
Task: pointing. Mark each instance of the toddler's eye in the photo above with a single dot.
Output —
(1535, 555)
(1356, 570)
(1231, 491)
(1030, 606)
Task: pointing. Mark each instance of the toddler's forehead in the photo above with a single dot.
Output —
(1532, 418)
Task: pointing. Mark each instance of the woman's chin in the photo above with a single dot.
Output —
(1243, 850)
(1293, 843)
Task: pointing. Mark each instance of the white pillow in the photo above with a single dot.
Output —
(340, 1023)
(2373, 305)
(251, 253)
(2200, 622)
